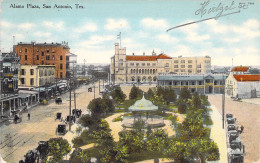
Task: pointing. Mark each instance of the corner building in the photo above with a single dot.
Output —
(44, 54)
(145, 69)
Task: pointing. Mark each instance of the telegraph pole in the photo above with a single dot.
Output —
(223, 103)
(70, 107)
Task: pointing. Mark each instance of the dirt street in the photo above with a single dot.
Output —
(17, 139)
(248, 115)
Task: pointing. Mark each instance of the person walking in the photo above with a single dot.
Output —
(29, 116)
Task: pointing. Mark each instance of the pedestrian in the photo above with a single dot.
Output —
(241, 129)
(29, 116)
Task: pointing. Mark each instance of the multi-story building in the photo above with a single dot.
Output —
(36, 75)
(9, 84)
(44, 54)
(71, 61)
(201, 83)
(141, 68)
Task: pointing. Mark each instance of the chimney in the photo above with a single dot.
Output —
(143, 53)
(133, 53)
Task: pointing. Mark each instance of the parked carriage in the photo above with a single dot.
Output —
(58, 116)
(58, 100)
(61, 129)
(76, 112)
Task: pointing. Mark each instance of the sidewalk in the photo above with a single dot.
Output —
(218, 135)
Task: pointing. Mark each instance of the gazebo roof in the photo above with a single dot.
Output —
(143, 105)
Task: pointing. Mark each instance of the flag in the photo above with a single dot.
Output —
(119, 35)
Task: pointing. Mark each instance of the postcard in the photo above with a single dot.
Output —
(130, 81)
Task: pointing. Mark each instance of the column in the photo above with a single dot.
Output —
(213, 86)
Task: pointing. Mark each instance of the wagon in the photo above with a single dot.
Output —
(61, 129)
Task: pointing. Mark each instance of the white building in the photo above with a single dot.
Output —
(243, 85)
(71, 61)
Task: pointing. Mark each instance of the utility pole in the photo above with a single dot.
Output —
(223, 103)
(84, 68)
(99, 85)
(94, 92)
(74, 88)
(70, 106)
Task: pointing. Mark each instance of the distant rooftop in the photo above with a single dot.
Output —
(63, 43)
(240, 69)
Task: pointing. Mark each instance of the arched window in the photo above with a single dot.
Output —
(132, 78)
(154, 78)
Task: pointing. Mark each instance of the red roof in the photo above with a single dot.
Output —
(247, 77)
(241, 69)
(146, 58)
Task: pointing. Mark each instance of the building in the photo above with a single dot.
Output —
(44, 54)
(71, 63)
(141, 68)
(201, 83)
(9, 84)
(36, 75)
(240, 70)
(243, 85)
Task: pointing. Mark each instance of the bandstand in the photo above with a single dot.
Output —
(142, 110)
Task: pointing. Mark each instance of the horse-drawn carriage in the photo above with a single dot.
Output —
(61, 129)
(58, 116)
(58, 100)
(72, 118)
(76, 112)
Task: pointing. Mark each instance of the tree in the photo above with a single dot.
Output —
(204, 149)
(108, 105)
(149, 94)
(96, 107)
(58, 147)
(182, 107)
(185, 94)
(79, 156)
(118, 95)
(196, 102)
(87, 121)
(160, 91)
(176, 150)
(135, 93)
(157, 140)
(132, 139)
(169, 95)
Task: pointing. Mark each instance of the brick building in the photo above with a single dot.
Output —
(44, 54)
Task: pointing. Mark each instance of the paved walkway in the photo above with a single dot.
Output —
(218, 134)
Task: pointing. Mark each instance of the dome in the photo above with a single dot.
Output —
(143, 105)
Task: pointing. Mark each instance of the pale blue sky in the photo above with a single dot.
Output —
(91, 32)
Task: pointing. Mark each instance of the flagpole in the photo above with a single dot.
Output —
(120, 40)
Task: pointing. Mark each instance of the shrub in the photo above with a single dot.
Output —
(182, 108)
(119, 118)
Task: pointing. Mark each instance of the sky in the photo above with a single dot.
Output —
(91, 31)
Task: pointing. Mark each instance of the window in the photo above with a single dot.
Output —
(42, 54)
(32, 81)
(143, 64)
(137, 64)
(25, 57)
(176, 70)
(176, 66)
(167, 65)
(176, 61)
(23, 72)
(48, 51)
(189, 71)
(20, 50)
(37, 50)
(189, 61)
(215, 83)
(60, 74)
(132, 64)
(182, 66)
(148, 64)
(200, 82)
(47, 57)
(53, 57)
(61, 57)
(31, 71)
(25, 50)
(61, 66)
(42, 62)
(154, 64)
(198, 66)
(182, 70)
(182, 61)
(198, 71)
(189, 66)
(53, 51)
(37, 57)
(22, 80)
(207, 61)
